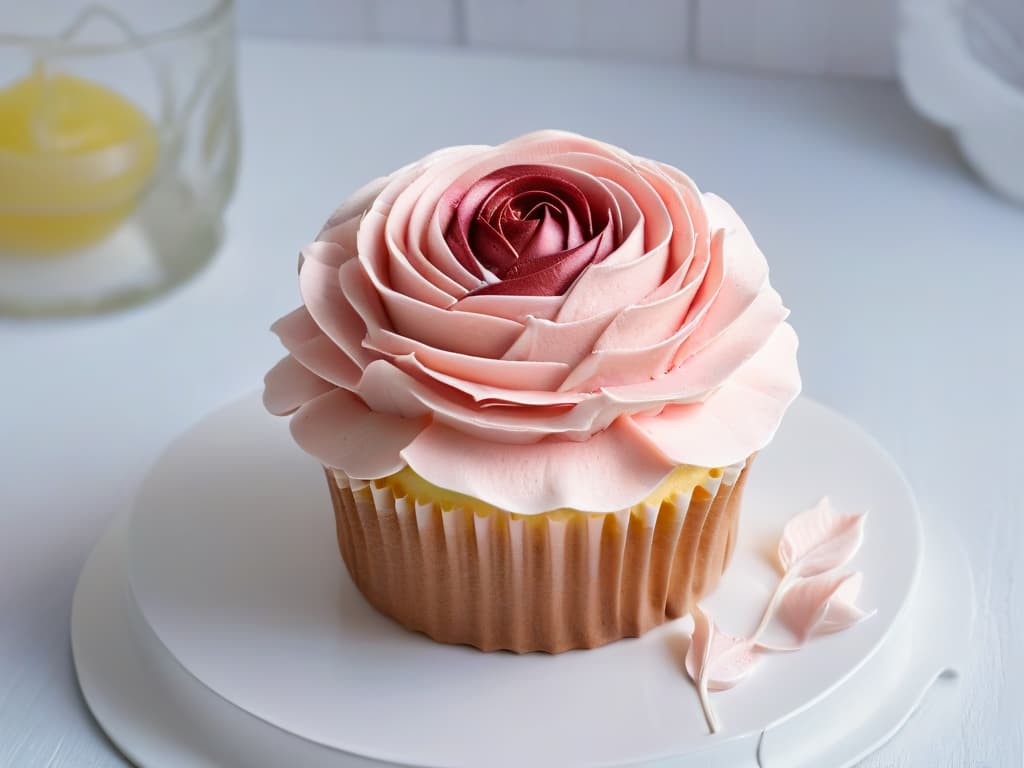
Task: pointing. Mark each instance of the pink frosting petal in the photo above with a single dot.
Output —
(627, 213)
(616, 362)
(685, 211)
(517, 308)
(609, 368)
(320, 287)
(595, 188)
(295, 327)
(409, 217)
(618, 175)
(385, 261)
(438, 201)
(687, 277)
(341, 227)
(289, 384)
(329, 254)
(741, 417)
(293, 381)
(406, 279)
(746, 273)
(611, 285)
(481, 376)
(382, 249)
(341, 242)
(466, 203)
(691, 272)
(465, 332)
(340, 431)
(389, 389)
(301, 336)
(564, 342)
(367, 310)
(642, 325)
(706, 370)
(690, 275)
(649, 366)
(628, 279)
(386, 388)
(456, 331)
(487, 394)
(323, 358)
(535, 478)
(693, 200)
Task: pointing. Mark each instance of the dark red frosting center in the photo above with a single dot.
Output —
(532, 227)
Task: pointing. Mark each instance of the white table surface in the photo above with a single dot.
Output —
(904, 276)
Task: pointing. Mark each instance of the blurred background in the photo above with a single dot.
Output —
(875, 148)
(814, 37)
(120, 129)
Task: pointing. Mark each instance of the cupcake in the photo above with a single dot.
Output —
(536, 376)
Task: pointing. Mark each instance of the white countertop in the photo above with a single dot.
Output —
(903, 273)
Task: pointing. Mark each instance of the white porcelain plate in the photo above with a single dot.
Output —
(230, 556)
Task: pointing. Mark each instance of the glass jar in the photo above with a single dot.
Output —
(118, 149)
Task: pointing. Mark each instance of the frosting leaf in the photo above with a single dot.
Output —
(819, 605)
(716, 661)
(819, 540)
(808, 600)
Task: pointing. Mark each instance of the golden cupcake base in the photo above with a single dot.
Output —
(550, 582)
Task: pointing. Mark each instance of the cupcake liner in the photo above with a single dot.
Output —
(548, 582)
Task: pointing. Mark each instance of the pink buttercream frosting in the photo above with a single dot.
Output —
(548, 323)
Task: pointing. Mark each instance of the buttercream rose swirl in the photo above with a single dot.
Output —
(532, 229)
(549, 322)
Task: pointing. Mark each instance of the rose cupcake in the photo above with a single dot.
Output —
(536, 375)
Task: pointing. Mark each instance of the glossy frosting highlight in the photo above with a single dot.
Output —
(532, 228)
(548, 323)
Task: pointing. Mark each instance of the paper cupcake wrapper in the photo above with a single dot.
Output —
(547, 582)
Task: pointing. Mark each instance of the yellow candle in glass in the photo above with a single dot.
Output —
(75, 158)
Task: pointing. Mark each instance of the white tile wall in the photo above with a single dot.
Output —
(549, 25)
(846, 37)
(415, 21)
(640, 29)
(849, 37)
(400, 21)
(311, 19)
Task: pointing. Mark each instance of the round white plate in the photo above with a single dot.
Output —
(215, 625)
(237, 589)
(160, 715)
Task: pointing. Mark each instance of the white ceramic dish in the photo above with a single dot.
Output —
(216, 625)
(962, 65)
